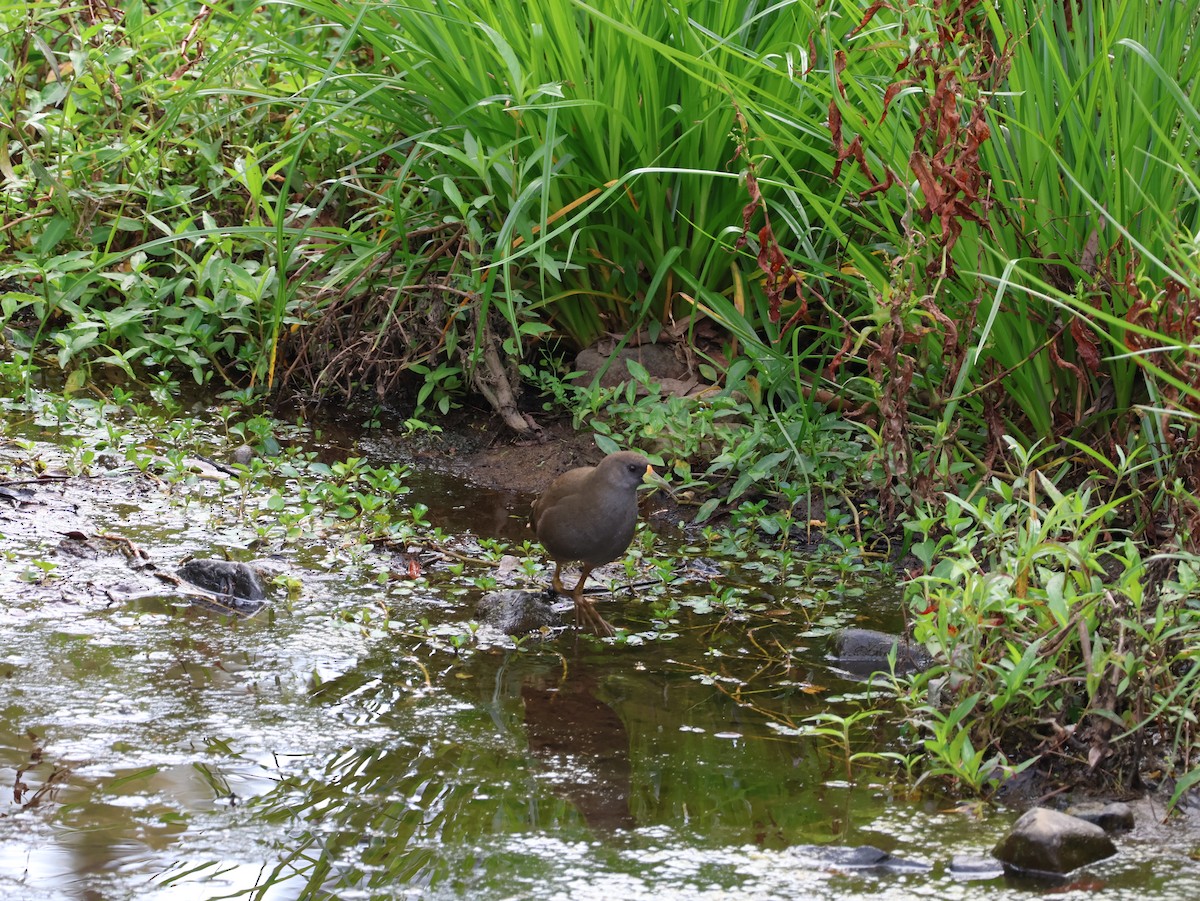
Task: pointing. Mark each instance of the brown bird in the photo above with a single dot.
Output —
(588, 515)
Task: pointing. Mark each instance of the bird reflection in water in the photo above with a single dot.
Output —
(583, 744)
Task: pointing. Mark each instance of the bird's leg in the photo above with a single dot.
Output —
(586, 611)
(556, 582)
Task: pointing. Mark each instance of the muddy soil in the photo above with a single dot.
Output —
(486, 453)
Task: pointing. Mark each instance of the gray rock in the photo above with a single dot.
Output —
(224, 577)
(1048, 841)
(659, 361)
(517, 612)
(1114, 816)
(864, 652)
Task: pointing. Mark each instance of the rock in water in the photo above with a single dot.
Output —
(1047, 841)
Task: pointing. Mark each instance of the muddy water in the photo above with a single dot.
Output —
(360, 739)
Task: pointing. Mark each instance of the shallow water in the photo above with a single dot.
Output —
(358, 740)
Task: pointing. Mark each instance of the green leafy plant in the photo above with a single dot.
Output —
(1050, 627)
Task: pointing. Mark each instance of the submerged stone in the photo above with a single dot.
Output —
(226, 578)
(862, 857)
(864, 652)
(517, 612)
(969, 867)
(1048, 841)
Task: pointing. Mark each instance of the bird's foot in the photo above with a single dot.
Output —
(586, 614)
